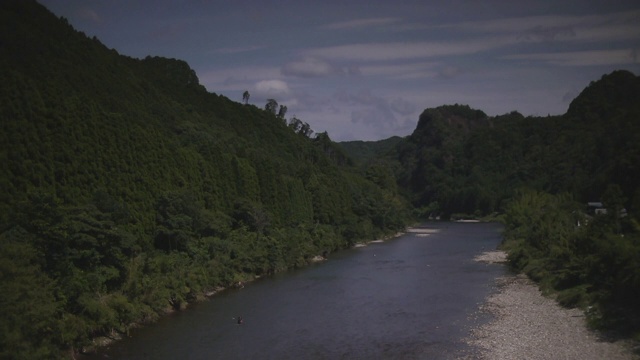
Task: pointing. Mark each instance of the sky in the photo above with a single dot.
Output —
(365, 70)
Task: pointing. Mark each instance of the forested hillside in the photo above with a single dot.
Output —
(540, 173)
(461, 161)
(129, 190)
(363, 152)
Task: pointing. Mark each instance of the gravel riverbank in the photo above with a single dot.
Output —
(527, 325)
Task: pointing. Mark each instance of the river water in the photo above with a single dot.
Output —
(412, 297)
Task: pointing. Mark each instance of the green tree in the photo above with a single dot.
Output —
(271, 106)
(613, 200)
(30, 308)
(282, 112)
(245, 97)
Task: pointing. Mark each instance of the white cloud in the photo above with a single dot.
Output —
(240, 49)
(378, 113)
(611, 32)
(90, 15)
(449, 71)
(235, 78)
(400, 71)
(407, 50)
(601, 27)
(310, 67)
(582, 58)
(272, 89)
(402, 106)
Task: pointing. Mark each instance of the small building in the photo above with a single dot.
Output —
(596, 208)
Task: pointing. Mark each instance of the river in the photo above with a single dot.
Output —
(412, 297)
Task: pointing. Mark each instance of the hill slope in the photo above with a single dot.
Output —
(130, 190)
(458, 160)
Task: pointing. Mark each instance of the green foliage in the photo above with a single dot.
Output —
(129, 190)
(362, 152)
(30, 308)
(470, 163)
(587, 265)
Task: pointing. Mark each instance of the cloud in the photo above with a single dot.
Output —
(400, 71)
(272, 88)
(235, 78)
(601, 27)
(482, 36)
(361, 23)
(310, 67)
(379, 123)
(370, 109)
(582, 58)
(360, 98)
(449, 72)
(542, 33)
(379, 116)
(236, 50)
(406, 50)
(402, 106)
(569, 96)
(611, 32)
(89, 14)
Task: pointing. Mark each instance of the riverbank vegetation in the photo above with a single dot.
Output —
(586, 261)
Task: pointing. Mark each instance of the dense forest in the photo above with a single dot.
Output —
(459, 161)
(538, 175)
(130, 191)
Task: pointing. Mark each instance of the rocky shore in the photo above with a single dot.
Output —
(528, 325)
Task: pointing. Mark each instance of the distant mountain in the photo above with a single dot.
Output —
(458, 160)
(364, 151)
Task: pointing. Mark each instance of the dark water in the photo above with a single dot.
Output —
(407, 298)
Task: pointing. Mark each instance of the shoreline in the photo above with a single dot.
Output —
(527, 325)
(103, 341)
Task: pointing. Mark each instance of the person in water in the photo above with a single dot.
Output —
(240, 320)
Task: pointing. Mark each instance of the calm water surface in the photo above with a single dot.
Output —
(408, 298)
